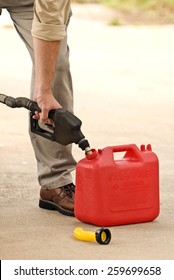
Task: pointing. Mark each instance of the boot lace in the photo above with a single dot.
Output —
(70, 189)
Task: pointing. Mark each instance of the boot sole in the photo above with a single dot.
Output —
(45, 204)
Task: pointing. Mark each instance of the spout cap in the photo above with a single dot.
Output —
(103, 236)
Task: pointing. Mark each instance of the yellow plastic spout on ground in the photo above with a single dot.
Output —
(102, 236)
(84, 235)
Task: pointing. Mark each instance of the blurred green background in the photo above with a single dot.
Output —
(146, 11)
(129, 4)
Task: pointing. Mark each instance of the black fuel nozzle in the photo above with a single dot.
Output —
(84, 145)
(65, 128)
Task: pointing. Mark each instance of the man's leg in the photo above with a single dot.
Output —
(55, 162)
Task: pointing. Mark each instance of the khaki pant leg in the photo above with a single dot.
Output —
(54, 161)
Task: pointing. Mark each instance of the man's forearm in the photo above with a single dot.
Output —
(46, 53)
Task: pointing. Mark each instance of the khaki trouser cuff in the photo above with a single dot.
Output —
(48, 32)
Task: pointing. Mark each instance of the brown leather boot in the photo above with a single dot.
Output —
(60, 199)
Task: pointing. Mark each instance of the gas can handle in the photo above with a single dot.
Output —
(126, 148)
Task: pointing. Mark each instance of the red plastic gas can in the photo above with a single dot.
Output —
(113, 192)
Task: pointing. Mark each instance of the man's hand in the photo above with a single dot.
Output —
(46, 102)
